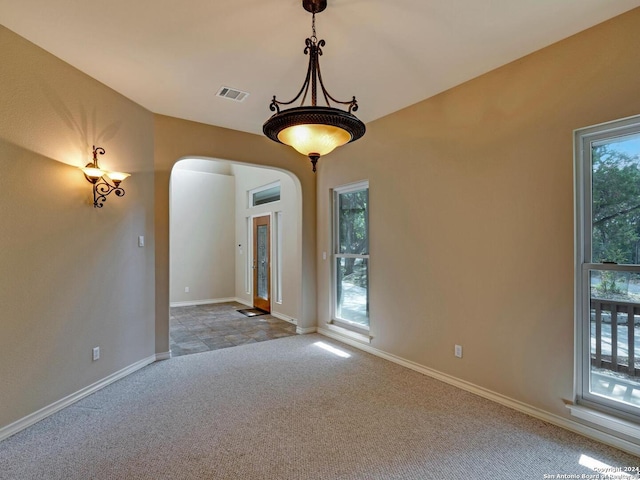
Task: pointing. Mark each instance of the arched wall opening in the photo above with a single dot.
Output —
(176, 139)
(211, 212)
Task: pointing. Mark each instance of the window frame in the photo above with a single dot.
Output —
(335, 319)
(251, 194)
(584, 140)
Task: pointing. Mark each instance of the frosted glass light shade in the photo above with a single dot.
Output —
(312, 130)
(317, 139)
(118, 176)
(93, 172)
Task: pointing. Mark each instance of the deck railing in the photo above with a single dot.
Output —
(614, 346)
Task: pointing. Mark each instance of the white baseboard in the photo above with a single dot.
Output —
(557, 420)
(304, 331)
(243, 301)
(163, 356)
(284, 317)
(208, 301)
(43, 413)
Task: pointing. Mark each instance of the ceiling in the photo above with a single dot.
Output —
(172, 56)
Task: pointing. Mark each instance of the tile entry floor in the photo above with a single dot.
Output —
(201, 328)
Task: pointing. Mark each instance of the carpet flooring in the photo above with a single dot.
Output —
(301, 407)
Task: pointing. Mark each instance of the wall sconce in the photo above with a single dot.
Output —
(100, 179)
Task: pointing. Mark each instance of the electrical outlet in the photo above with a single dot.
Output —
(186, 289)
(96, 353)
(457, 351)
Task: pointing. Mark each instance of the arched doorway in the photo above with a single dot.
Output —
(214, 204)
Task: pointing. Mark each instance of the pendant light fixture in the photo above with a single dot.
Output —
(314, 130)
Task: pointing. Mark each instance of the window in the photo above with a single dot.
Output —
(608, 267)
(266, 194)
(351, 256)
(248, 263)
(277, 249)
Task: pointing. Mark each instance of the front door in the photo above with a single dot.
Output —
(262, 263)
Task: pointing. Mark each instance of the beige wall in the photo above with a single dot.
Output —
(176, 139)
(248, 178)
(202, 235)
(471, 222)
(72, 276)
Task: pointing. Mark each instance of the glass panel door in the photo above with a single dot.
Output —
(262, 263)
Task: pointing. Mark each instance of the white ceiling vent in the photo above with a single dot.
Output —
(232, 94)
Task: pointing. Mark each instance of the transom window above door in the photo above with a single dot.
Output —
(266, 194)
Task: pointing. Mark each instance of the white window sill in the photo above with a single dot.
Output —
(361, 337)
(619, 425)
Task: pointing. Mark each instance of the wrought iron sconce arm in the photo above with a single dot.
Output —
(103, 188)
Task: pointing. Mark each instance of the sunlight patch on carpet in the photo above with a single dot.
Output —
(603, 470)
(332, 349)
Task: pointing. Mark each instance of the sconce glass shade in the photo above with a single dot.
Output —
(117, 177)
(93, 172)
(314, 139)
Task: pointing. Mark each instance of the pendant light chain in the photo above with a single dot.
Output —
(313, 61)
